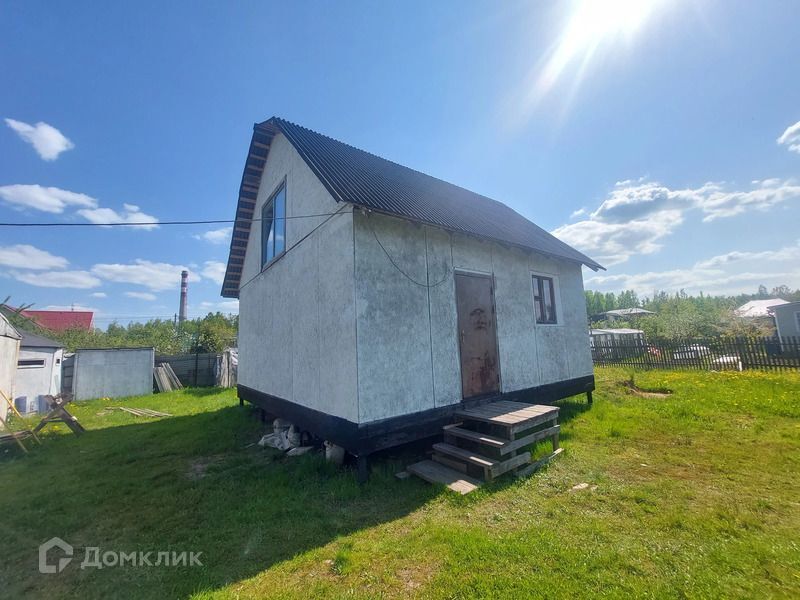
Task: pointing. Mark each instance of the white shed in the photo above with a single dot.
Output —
(9, 353)
(376, 300)
(38, 371)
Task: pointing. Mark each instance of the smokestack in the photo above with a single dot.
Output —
(184, 293)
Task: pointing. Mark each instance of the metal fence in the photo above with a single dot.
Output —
(770, 354)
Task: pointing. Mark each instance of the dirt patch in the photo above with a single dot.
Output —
(198, 467)
(636, 390)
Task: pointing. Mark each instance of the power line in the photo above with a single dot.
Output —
(151, 223)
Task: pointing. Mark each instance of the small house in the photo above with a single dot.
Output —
(626, 313)
(757, 309)
(38, 371)
(375, 300)
(787, 319)
(9, 352)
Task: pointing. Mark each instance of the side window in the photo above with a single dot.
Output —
(544, 300)
(273, 226)
(797, 320)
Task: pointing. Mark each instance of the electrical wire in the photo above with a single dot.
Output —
(152, 223)
(396, 266)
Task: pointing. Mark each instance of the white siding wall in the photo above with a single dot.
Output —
(407, 335)
(34, 382)
(297, 318)
(9, 348)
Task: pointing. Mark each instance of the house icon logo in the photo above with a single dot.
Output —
(44, 550)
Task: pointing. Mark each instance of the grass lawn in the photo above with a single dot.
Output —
(697, 495)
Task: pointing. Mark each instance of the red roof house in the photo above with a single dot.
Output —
(59, 320)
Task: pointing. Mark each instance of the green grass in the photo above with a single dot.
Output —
(697, 495)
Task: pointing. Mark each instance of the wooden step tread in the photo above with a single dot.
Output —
(437, 473)
(470, 457)
(514, 416)
(475, 436)
(508, 412)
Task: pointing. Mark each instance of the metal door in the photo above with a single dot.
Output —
(480, 366)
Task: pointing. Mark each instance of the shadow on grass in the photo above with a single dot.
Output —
(192, 483)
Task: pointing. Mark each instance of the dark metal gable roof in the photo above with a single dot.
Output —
(355, 176)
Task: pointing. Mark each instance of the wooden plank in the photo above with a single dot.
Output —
(517, 427)
(530, 439)
(533, 467)
(465, 455)
(450, 462)
(511, 463)
(508, 412)
(475, 436)
(434, 472)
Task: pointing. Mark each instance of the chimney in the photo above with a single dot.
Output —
(184, 292)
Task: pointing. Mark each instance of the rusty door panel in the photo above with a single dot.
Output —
(477, 333)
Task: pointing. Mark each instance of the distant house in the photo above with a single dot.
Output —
(626, 313)
(61, 320)
(38, 371)
(9, 353)
(758, 309)
(616, 335)
(787, 319)
(376, 300)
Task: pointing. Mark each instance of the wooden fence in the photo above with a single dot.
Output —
(706, 353)
(201, 369)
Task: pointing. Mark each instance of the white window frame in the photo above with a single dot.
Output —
(556, 298)
(271, 200)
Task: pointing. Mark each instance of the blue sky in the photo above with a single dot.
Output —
(655, 136)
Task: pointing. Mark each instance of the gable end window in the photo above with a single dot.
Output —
(273, 226)
(544, 300)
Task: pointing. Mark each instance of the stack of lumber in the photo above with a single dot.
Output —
(165, 377)
(141, 412)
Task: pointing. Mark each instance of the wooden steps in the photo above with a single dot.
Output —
(475, 436)
(434, 472)
(492, 439)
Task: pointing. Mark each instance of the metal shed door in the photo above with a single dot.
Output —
(480, 366)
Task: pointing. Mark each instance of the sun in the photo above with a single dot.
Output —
(592, 23)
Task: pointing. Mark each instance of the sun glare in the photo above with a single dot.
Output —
(591, 24)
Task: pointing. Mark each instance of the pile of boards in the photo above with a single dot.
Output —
(166, 380)
(141, 412)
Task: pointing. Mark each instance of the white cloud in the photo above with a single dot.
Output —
(766, 257)
(25, 256)
(214, 270)
(141, 295)
(636, 216)
(75, 307)
(791, 138)
(225, 306)
(130, 214)
(216, 236)
(729, 273)
(154, 276)
(48, 141)
(47, 199)
(55, 200)
(58, 279)
(614, 243)
(99, 295)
